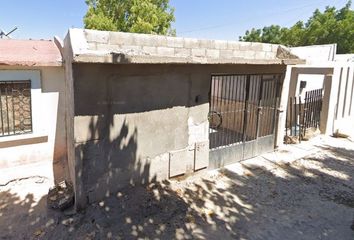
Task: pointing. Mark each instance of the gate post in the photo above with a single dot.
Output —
(328, 105)
(291, 74)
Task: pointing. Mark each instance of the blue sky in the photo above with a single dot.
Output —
(212, 19)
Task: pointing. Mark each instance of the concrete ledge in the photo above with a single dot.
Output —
(121, 58)
(20, 140)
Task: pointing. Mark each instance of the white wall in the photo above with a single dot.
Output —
(344, 107)
(316, 54)
(47, 142)
(313, 81)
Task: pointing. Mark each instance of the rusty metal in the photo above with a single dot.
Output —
(15, 108)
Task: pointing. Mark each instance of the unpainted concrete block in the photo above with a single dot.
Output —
(198, 52)
(270, 55)
(226, 54)
(244, 46)
(121, 38)
(131, 47)
(150, 50)
(233, 45)
(165, 51)
(219, 44)
(239, 54)
(175, 42)
(250, 54)
(160, 41)
(267, 47)
(97, 36)
(213, 53)
(256, 46)
(144, 40)
(92, 45)
(207, 44)
(260, 55)
(182, 52)
(191, 43)
(107, 47)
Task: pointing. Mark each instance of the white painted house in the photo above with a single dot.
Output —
(32, 109)
(334, 74)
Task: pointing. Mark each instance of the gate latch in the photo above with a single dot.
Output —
(260, 110)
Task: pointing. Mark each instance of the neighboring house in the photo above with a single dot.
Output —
(334, 75)
(139, 106)
(32, 108)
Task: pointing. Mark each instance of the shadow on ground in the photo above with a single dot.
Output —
(312, 198)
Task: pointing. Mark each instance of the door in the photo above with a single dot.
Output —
(243, 114)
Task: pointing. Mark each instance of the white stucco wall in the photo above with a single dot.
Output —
(313, 81)
(47, 142)
(344, 108)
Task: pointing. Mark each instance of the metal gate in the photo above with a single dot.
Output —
(242, 117)
(303, 114)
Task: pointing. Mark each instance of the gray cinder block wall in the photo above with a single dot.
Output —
(139, 123)
(138, 104)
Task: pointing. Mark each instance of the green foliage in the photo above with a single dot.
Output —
(138, 16)
(330, 26)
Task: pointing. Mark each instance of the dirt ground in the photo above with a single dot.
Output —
(310, 198)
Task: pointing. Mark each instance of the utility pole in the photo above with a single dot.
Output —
(7, 35)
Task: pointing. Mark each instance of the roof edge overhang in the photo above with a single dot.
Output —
(121, 58)
(31, 64)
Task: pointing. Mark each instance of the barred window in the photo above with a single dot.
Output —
(15, 108)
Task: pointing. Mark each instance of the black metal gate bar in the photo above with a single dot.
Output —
(231, 105)
(229, 111)
(259, 106)
(245, 117)
(268, 97)
(7, 112)
(1, 116)
(243, 106)
(13, 109)
(303, 115)
(300, 114)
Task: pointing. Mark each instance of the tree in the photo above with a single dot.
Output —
(138, 16)
(330, 26)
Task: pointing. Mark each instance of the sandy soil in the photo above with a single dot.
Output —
(311, 198)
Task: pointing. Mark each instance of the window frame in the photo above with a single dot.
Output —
(4, 119)
(35, 77)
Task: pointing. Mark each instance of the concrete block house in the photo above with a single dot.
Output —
(144, 107)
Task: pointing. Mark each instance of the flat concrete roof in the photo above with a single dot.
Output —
(92, 46)
(29, 53)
